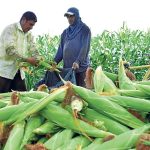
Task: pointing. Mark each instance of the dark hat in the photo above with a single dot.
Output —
(72, 11)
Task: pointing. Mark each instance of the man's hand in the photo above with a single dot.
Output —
(75, 66)
(33, 61)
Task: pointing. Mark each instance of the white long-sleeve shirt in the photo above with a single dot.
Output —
(14, 42)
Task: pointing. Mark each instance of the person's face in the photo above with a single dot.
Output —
(27, 25)
(71, 19)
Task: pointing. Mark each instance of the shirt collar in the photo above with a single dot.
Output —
(20, 28)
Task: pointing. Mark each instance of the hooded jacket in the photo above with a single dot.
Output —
(75, 44)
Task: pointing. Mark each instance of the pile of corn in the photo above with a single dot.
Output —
(75, 118)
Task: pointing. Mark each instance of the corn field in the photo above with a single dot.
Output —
(106, 49)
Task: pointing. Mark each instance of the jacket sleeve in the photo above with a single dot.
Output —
(32, 49)
(10, 39)
(59, 55)
(86, 39)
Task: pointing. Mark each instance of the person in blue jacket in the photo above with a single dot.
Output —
(75, 45)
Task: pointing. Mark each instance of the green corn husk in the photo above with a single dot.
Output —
(138, 104)
(107, 107)
(124, 81)
(6, 112)
(111, 125)
(46, 65)
(98, 80)
(59, 139)
(75, 143)
(39, 105)
(144, 88)
(27, 99)
(123, 141)
(16, 113)
(146, 143)
(112, 76)
(144, 82)
(97, 141)
(43, 140)
(3, 103)
(48, 127)
(4, 95)
(32, 123)
(33, 94)
(134, 93)
(109, 86)
(64, 119)
(15, 137)
(12, 111)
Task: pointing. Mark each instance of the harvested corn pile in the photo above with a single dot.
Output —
(72, 117)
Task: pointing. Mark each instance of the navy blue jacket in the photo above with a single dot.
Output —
(75, 49)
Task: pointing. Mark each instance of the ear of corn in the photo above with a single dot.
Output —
(32, 123)
(109, 86)
(43, 140)
(26, 99)
(98, 80)
(96, 142)
(107, 107)
(3, 95)
(48, 127)
(16, 113)
(111, 125)
(43, 103)
(138, 104)
(112, 76)
(64, 119)
(76, 143)
(6, 112)
(59, 139)
(134, 93)
(123, 141)
(15, 137)
(124, 81)
(144, 82)
(3, 103)
(33, 94)
(144, 88)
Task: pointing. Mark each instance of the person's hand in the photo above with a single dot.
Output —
(75, 66)
(33, 61)
(54, 64)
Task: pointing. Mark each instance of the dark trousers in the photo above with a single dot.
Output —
(17, 84)
(80, 77)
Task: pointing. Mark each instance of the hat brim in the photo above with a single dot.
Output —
(68, 13)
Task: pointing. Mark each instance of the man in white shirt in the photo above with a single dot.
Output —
(16, 45)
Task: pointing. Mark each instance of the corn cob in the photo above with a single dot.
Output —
(59, 139)
(138, 104)
(64, 119)
(107, 107)
(39, 105)
(111, 125)
(112, 76)
(98, 80)
(144, 88)
(124, 81)
(97, 141)
(15, 137)
(32, 123)
(76, 143)
(123, 141)
(134, 93)
(16, 113)
(48, 127)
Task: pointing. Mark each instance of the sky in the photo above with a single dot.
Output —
(99, 15)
